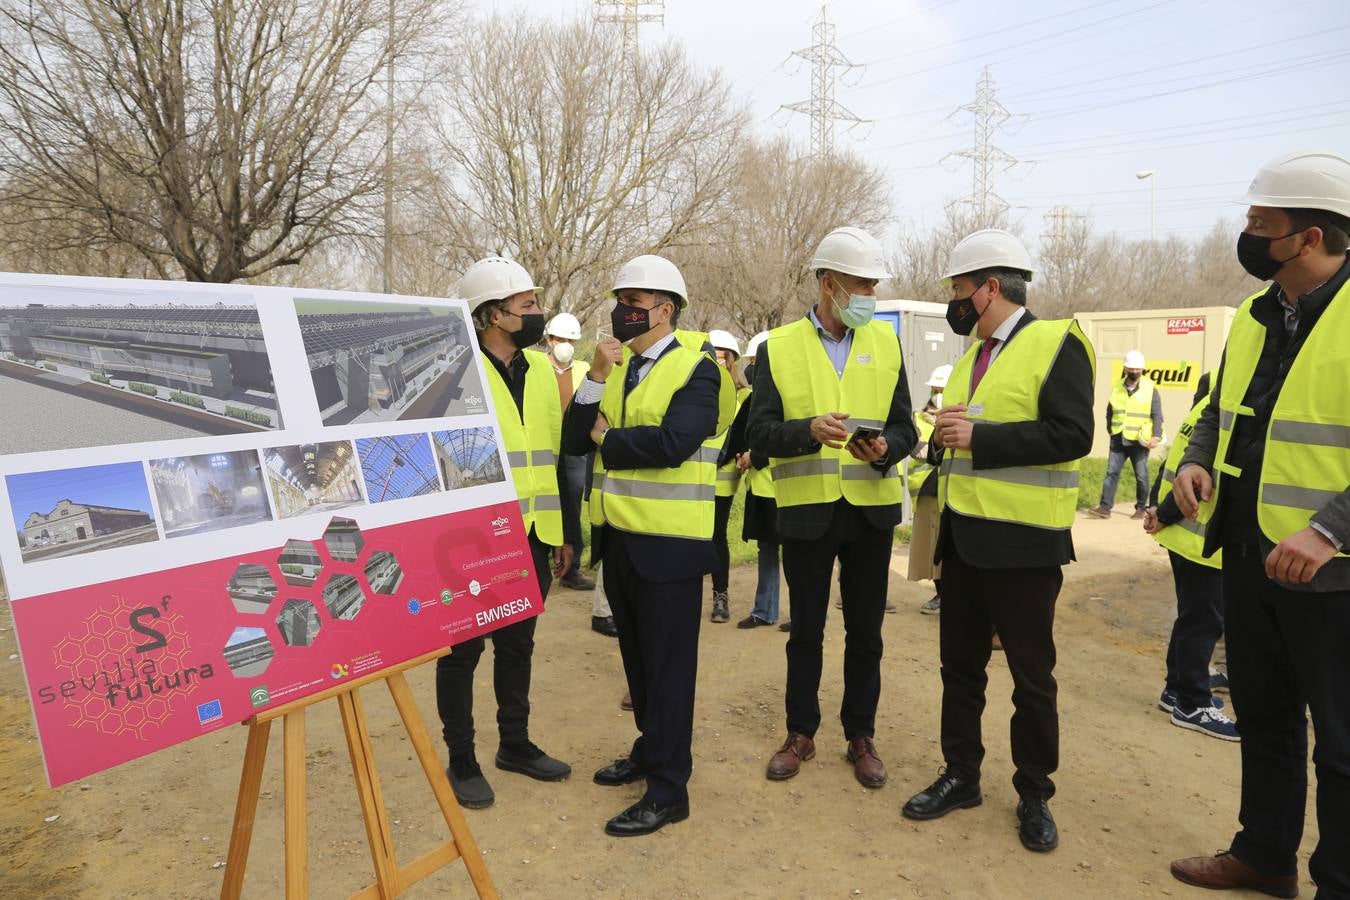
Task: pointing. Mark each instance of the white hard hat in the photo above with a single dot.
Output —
(1134, 360)
(753, 347)
(1308, 179)
(493, 278)
(565, 326)
(724, 340)
(939, 377)
(652, 273)
(990, 248)
(851, 251)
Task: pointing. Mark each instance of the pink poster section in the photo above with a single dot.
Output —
(121, 669)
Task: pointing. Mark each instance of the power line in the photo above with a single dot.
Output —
(630, 14)
(989, 116)
(825, 59)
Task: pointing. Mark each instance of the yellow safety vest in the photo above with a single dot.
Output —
(759, 482)
(920, 470)
(1132, 414)
(1040, 496)
(532, 444)
(1185, 538)
(1306, 463)
(670, 502)
(726, 398)
(728, 474)
(810, 387)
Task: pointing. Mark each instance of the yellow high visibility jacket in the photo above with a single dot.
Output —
(1185, 538)
(1132, 414)
(531, 443)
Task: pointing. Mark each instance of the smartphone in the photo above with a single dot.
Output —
(864, 433)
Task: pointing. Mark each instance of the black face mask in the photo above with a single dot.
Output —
(1253, 253)
(629, 322)
(1131, 378)
(961, 314)
(531, 330)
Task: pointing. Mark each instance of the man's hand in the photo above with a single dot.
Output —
(1192, 486)
(1296, 559)
(1153, 442)
(829, 429)
(956, 409)
(1151, 523)
(562, 560)
(608, 351)
(742, 461)
(599, 428)
(868, 450)
(954, 430)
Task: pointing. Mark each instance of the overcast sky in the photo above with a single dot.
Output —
(1200, 91)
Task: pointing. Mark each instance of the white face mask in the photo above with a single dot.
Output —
(563, 352)
(937, 399)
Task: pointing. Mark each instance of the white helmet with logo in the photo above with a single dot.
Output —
(851, 251)
(565, 326)
(724, 340)
(1308, 179)
(939, 377)
(990, 248)
(652, 273)
(753, 347)
(1134, 360)
(493, 278)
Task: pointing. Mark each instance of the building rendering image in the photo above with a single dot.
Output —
(251, 588)
(343, 597)
(468, 457)
(383, 572)
(375, 362)
(300, 563)
(298, 623)
(343, 539)
(312, 478)
(198, 494)
(70, 511)
(248, 652)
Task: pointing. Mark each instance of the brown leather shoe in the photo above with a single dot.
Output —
(797, 749)
(867, 766)
(1225, 871)
(626, 702)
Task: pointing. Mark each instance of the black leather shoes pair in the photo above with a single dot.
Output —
(645, 817)
(1036, 827)
(949, 792)
(619, 772)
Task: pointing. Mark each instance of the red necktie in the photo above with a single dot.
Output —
(982, 362)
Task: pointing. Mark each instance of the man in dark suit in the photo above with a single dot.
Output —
(839, 495)
(647, 411)
(1017, 420)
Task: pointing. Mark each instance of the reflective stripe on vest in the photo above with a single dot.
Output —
(1132, 414)
(809, 386)
(669, 502)
(1185, 538)
(1306, 462)
(531, 444)
(1040, 496)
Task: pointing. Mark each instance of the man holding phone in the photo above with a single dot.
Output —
(833, 417)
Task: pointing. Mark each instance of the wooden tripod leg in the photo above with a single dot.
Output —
(245, 809)
(373, 811)
(440, 785)
(297, 838)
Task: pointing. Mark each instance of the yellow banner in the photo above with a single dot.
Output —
(1167, 374)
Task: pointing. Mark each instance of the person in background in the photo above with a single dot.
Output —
(761, 513)
(728, 351)
(562, 333)
(1134, 421)
(923, 486)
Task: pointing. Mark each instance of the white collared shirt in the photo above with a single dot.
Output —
(1004, 331)
(591, 391)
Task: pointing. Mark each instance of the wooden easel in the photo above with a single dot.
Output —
(391, 879)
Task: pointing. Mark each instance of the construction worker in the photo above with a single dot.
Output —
(650, 405)
(1017, 419)
(508, 319)
(1266, 473)
(923, 487)
(727, 350)
(1188, 692)
(1134, 421)
(832, 414)
(562, 333)
(759, 524)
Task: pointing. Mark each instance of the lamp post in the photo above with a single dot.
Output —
(1153, 202)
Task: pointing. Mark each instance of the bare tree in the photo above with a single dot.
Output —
(567, 154)
(920, 258)
(219, 139)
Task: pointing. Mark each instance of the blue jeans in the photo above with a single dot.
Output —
(1138, 455)
(766, 591)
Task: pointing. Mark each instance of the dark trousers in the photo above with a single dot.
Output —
(572, 474)
(1287, 657)
(1020, 605)
(1138, 456)
(864, 554)
(512, 651)
(658, 624)
(721, 573)
(1198, 627)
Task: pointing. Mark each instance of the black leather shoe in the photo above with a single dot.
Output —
(645, 817)
(949, 792)
(471, 788)
(1037, 829)
(619, 772)
(604, 625)
(578, 581)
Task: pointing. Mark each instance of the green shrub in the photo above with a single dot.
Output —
(49, 367)
(188, 399)
(142, 388)
(248, 415)
(101, 379)
(1092, 472)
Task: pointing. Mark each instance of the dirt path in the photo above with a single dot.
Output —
(1133, 791)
